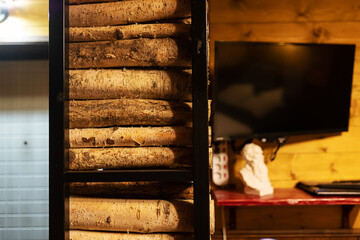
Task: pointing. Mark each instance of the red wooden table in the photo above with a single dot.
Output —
(281, 196)
(286, 197)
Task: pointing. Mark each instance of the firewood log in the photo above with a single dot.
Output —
(111, 33)
(172, 84)
(89, 1)
(125, 12)
(167, 190)
(130, 112)
(125, 157)
(93, 235)
(143, 52)
(130, 137)
(131, 215)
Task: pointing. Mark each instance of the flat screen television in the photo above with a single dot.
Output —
(269, 90)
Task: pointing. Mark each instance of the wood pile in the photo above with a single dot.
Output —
(133, 210)
(128, 84)
(128, 90)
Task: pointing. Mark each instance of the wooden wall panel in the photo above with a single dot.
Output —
(317, 32)
(287, 217)
(335, 157)
(337, 22)
(304, 32)
(229, 11)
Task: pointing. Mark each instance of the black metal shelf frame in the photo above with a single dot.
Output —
(58, 215)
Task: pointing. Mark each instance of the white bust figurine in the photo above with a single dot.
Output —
(255, 173)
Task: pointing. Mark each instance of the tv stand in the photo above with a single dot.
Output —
(286, 197)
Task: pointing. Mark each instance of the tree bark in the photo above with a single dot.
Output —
(131, 215)
(172, 84)
(167, 190)
(112, 33)
(89, 1)
(125, 12)
(126, 112)
(130, 137)
(142, 52)
(120, 158)
(92, 235)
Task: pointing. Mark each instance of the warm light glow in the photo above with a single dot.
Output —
(27, 21)
(13, 4)
(3, 12)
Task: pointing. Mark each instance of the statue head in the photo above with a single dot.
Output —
(252, 153)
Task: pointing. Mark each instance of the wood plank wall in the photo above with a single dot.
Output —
(303, 157)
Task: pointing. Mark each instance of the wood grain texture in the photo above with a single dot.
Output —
(341, 143)
(125, 157)
(134, 215)
(92, 235)
(288, 217)
(89, 1)
(129, 157)
(130, 112)
(259, 11)
(286, 170)
(143, 52)
(174, 84)
(111, 33)
(130, 137)
(304, 157)
(125, 12)
(307, 32)
(305, 234)
(131, 215)
(280, 197)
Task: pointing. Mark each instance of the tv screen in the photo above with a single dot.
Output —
(280, 89)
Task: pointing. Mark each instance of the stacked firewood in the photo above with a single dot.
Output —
(128, 91)
(132, 210)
